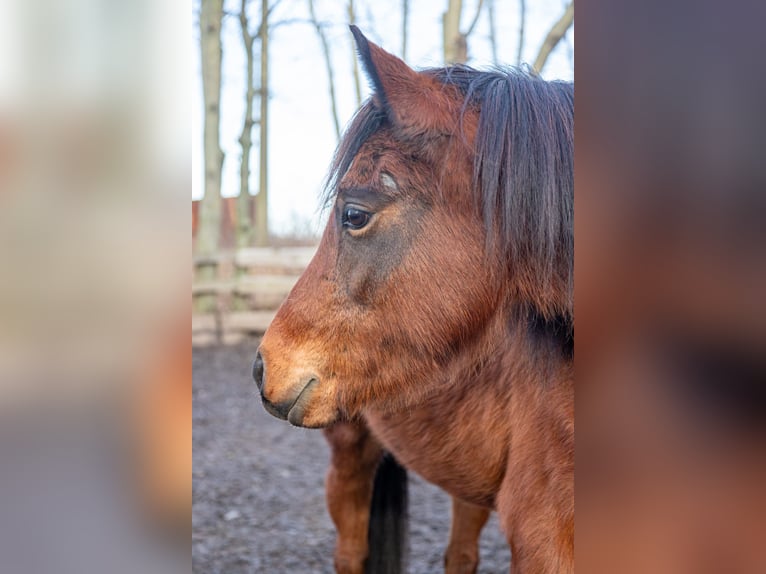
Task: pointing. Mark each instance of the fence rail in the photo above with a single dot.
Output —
(250, 285)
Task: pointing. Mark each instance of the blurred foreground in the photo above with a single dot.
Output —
(670, 284)
(95, 376)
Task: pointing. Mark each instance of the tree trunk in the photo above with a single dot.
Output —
(208, 234)
(455, 50)
(455, 41)
(405, 26)
(262, 199)
(244, 202)
(554, 36)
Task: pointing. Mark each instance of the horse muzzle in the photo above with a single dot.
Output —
(293, 407)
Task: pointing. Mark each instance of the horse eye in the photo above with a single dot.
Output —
(354, 218)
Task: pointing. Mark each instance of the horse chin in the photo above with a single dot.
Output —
(310, 411)
(311, 420)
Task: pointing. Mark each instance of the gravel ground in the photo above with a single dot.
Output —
(258, 503)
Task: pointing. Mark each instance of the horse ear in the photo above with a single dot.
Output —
(411, 100)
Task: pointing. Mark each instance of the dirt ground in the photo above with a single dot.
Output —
(258, 491)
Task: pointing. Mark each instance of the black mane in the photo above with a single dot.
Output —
(523, 166)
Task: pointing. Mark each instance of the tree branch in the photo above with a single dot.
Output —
(492, 29)
(522, 26)
(554, 36)
(328, 64)
(475, 19)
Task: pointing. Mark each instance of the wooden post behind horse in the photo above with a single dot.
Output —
(437, 310)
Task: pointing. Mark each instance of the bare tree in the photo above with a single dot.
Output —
(522, 26)
(262, 199)
(557, 32)
(244, 202)
(328, 64)
(455, 50)
(475, 20)
(405, 26)
(354, 59)
(455, 41)
(492, 29)
(208, 235)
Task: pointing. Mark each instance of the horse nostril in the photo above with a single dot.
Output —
(258, 371)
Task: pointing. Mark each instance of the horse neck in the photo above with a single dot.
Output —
(539, 351)
(518, 345)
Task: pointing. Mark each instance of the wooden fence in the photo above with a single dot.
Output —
(250, 285)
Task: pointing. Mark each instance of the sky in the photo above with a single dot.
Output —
(302, 137)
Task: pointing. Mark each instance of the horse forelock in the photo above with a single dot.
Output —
(523, 172)
(367, 120)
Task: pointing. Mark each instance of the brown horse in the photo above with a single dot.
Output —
(436, 320)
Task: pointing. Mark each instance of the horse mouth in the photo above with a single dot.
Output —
(294, 410)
